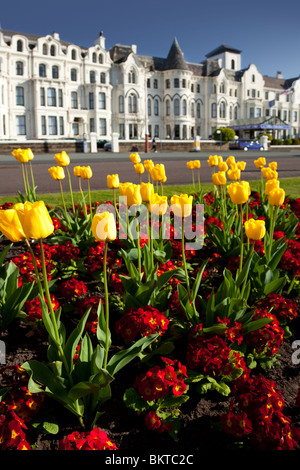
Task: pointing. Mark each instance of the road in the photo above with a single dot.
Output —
(104, 163)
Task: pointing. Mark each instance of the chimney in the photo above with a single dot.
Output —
(55, 36)
(100, 40)
(279, 75)
(133, 48)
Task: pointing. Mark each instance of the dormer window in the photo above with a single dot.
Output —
(232, 64)
(20, 45)
(45, 49)
(73, 54)
(94, 59)
(131, 77)
(52, 51)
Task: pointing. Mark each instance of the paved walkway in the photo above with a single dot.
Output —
(105, 163)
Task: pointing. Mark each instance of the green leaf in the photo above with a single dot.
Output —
(172, 401)
(197, 282)
(81, 389)
(74, 339)
(274, 285)
(133, 400)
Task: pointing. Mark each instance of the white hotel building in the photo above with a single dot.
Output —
(51, 89)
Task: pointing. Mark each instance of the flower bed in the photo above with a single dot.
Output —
(125, 333)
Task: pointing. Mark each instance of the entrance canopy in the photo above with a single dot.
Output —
(272, 123)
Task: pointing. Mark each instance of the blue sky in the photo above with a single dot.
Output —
(267, 33)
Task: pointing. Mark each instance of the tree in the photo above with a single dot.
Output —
(227, 134)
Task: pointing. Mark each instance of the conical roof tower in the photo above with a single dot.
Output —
(175, 59)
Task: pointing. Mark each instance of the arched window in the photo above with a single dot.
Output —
(235, 112)
(230, 112)
(19, 68)
(192, 109)
(131, 77)
(100, 59)
(149, 107)
(156, 108)
(222, 88)
(121, 104)
(52, 51)
(168, 107)
(20, 45)
(184, 107)
(215, 88)
(132, 103)
(222, 110)
(55, 71)
(92, 76)
(198, 110)
(73, 75)
(102, 77)
(213, 110)
(232, 64)
(42, 70)
(176, 107)
(45, 49)
(73, 54)
(94, 58)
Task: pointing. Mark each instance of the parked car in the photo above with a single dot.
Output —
(246, 144)
(107, 146)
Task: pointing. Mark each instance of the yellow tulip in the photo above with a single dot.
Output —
(255, 229)
(269, 174)
(239, 192)
(273, 166)
(270, 185)
(197, 164)
(29, 154)
(190, 165)
(234, 174)
(158, 173)
(230, 160)
(223, 166)
(135, 158)
(10, 225)
(213, 160)
(147, 191)
(20, 155)
(77, 171)
(220, 159)
(133, 194)
(260, 162)
(62, 159)
(139, 168)
(158, 204)
(276, 197)
(104, 227)
(57, 172)
(86, 172)
(219, 178)
(122, 188)
(148, 164)
(182, 205)
(35, 220)
(113, 181)
(241, 166)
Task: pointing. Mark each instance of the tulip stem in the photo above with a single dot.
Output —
(272, 226)
(90, 199)
(24, 179)
(161, 188)
(193, 177)
(247, 217)
(106, 306)
(38, 279)
(246, 278)
(64, 203)
(27, 181)
(139, 252)
(71, 191)
(83, 198)
(184, 259)
(199, 185)
(242, 239)
(32, 178)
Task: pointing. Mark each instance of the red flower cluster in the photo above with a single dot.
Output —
(168, 266)
(12, 432)
(6, 205)
(84, 305)
(158, 382)
(295, 206)
(209, 198)
(267, 339)
(65, 252)
(95, 258)
(254, 200)
(291, 258)
(234, 332)
(144, 321)
(212, 355)
(56, 223)
(256, 411)
(93, 440)
(26, 267)
(73, 289)
(283, 309)
(33, 308)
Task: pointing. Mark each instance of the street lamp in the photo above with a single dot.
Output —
(220, 132)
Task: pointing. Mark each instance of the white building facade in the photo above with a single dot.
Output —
(51, 89)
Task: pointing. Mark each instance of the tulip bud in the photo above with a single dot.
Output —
(181, 205)
(273, 166)
(139, 168)
(270, 185)
(133, 194)
(213, 160)
(20, 155)
(223, 166)
(255, 229)
(219, 178)
(148, 164)
(57, 172)
(35, 220)
(158, 173)
(104, 227)
(197, 164)
(241, 166)
(158, 204)
(135, 158)
(113, 181)
(147, 191)
(234, 174)
(230, 161)
(77, 171)
(276, 197)
(86, 172)
(260, 162)
(10, 225)
(190, 165)
(62, 159)
(239, 192)
(269, 174)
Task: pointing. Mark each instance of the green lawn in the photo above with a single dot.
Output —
(290, 185)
